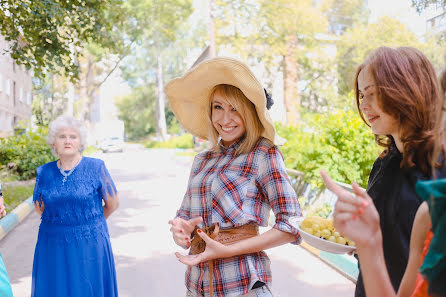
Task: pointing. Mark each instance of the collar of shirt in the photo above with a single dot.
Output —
(232, 147)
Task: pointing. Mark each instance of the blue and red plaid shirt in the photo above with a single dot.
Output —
(232, 191)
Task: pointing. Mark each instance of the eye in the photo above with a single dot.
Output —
(234, 109)
(216, 106)
(361, 96)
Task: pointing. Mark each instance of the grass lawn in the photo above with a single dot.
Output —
(16, 194)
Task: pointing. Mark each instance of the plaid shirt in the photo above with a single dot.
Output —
(232, 191)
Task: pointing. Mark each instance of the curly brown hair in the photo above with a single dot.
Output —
(407, 90)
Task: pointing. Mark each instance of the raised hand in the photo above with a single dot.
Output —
(214, 250)
(182, 229)
(355, 216)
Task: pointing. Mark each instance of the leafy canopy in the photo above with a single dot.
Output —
(47, 36)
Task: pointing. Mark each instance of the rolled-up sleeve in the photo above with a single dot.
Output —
(276, 186)
(185, 209)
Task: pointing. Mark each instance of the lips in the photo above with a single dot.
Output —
(372, 118)
(228, 129)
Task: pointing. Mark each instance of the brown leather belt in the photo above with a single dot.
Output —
(226, 237)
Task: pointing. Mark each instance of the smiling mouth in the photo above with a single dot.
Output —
(228, 129)
(372, 119)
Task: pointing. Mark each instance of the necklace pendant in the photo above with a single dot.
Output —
(64, 179)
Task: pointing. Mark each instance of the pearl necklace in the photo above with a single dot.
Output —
(67, 174)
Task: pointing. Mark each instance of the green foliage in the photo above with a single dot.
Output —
(358, 42)
(339, 143)
(184, 141)
(47, 35)
(137, 110)
(14, 195)
(27, 151)
(421, 5)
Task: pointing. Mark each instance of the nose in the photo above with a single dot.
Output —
(363, 104)
(226, 117)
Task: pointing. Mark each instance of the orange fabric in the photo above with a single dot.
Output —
(421, 283)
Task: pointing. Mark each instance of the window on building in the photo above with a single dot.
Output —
(21, 95)
(2, 115)
(1, 83)
(8, 87)
(28, 98)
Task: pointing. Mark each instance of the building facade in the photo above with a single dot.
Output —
(15, 92)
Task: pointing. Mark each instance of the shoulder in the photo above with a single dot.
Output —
(45, 167)
(266, 149)
(93, 161)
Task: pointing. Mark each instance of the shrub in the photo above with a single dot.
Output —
(184, 141)
(339, 143)
(27, 151)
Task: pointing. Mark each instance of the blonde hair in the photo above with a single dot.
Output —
(253, 127)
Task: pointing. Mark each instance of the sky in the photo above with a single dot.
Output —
(400, 9)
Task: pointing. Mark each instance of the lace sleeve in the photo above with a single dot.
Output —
(108, 187)
(37, 196)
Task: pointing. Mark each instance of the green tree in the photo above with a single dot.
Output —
(138, 112)
(47, 36)
(344, 14)
(421, 5)
(278, 33)
(50, 98)
(357, 43)
(160, 49)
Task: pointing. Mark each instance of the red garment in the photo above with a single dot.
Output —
(421, 283)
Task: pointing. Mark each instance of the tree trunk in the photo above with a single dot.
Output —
(160, 115)
(291, 78)
(211, 28)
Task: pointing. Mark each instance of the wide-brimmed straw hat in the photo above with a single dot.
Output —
(189, 95)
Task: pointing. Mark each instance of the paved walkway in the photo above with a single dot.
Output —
(151, 185)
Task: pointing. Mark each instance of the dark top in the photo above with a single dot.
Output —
(393, 192)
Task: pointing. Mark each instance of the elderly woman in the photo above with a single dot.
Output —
(74, 195)
(232, 187)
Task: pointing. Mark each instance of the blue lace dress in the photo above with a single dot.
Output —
(73, 255)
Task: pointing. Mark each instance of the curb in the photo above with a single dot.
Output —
(16, 216)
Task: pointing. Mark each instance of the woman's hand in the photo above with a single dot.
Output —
(182, 229)
(214, 250)
(355, 216)
(2, 208)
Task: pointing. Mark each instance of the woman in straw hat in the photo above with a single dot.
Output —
(233, 186)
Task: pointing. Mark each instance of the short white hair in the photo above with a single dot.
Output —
(63, 122)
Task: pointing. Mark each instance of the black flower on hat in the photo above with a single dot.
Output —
(269, 100)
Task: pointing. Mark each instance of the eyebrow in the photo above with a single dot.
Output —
(365, 89)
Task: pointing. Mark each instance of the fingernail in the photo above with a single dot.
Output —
(360, 211)
(199, 231)
(181, 231)
(354, 217)
(187, 238)
(364, 203)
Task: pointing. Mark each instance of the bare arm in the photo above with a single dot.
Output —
(419, 232)
(110, 205)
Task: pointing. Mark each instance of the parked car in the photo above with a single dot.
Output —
(112, 144)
